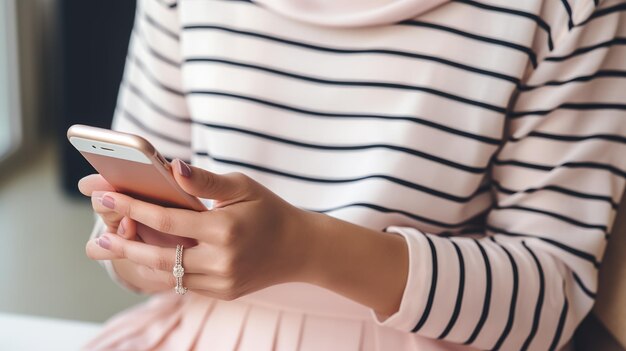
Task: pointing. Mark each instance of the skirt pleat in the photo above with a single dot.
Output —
(330, 334)
(130, 324)
(289, 331)
(389, 339)
(259, 331)
(223, 327)
(154, 331)
(368, 338)
(194, 313)
(289, 318)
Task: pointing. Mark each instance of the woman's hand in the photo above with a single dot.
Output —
(251, 238)
(131, 273)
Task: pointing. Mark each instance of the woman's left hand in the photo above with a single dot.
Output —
(251, 239)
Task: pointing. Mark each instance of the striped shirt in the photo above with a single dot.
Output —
(490, 134)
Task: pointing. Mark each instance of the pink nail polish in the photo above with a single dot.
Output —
(108, 202)
(183, 169)
(104, 242)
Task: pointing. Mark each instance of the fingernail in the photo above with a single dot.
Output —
(120, 229)
(108, 201)
(183, 169)
(104, 242)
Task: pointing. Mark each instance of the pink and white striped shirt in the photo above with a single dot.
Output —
(491, 134)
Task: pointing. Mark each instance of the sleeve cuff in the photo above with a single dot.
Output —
(418, 281)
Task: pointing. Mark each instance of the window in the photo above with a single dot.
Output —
(10, 125)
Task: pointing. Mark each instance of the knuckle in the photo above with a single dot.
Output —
(161, 263)
(227, 238)
(242, 179)
(228, 268)
(229, 232)
(209, 182)
(228, 296)
(164, 221)
(129, 210)
(119, 250)
(228, 290)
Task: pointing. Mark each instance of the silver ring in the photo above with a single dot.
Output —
(179, 271)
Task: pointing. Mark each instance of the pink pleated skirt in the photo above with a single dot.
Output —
(285, 317)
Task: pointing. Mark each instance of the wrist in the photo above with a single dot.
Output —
(303, 246)
(315, 266)
(365, 265)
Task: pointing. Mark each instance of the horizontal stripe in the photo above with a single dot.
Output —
(492, 74)
(421, 154)
(582, 286)
(557, 189)
(586, 49)
(576, 252)
(432, 91)
(481, 138)
(572, 138)
(586, 78)
(463, 231)
(540, 22)
(558, 216)
(523, 49)
(146, 43)
(153, 132)
(168, 4)
(590, 165)
(152, 77)
(603, 12)
(411, 185)
(140, 95)
(570, 106)
(390, 210)
(151, 21)
(146, 100)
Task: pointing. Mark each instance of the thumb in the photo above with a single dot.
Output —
(93, 182)
(202, 183)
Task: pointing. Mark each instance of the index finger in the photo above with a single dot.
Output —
(180, 222)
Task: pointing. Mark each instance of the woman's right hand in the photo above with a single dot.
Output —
(140, 277)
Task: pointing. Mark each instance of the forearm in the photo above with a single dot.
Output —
(365, 265)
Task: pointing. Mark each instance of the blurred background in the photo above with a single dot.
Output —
(61, 63)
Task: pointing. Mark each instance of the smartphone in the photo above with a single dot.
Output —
(132, 166)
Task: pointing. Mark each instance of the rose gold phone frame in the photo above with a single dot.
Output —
(131, 165)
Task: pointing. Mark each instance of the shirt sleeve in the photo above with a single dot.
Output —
(529, 277)
(151, 102)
